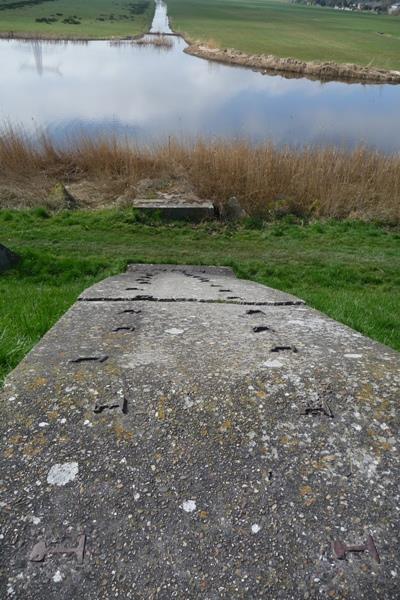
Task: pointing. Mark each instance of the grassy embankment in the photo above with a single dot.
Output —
(268, 181)
(290, 30)
(85, 20)
(349, 270)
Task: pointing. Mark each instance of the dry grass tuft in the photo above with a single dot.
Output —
(268, 181)
(158, 41)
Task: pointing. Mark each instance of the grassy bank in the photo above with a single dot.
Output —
(291, 30)
(349, 270)
(268, 181)
(69, 19)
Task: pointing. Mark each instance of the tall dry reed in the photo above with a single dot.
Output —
(268, 181)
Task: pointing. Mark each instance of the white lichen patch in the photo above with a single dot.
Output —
(255, 528)
(57, 577)
(353, 355)
(188, 402)
(61, 474)
(188, 506)
(364, 464)
(272, 364)
(174, 331)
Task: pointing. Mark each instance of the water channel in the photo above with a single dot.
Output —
(149, 94)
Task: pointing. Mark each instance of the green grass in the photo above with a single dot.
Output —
(22, 19)
(350, 270)
(291, 30)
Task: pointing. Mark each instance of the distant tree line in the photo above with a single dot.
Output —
(21, 4)
(382, 6)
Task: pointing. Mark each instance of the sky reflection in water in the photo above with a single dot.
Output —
(149, 94)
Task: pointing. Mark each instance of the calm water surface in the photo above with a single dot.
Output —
(149, 94)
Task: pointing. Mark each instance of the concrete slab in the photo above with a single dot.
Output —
(177, 209)
(205, 449)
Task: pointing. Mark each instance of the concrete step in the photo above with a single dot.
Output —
(177, 209)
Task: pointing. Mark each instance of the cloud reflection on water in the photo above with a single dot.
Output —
(96, 86)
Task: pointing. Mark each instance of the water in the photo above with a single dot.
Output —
(160, 22)
(150, 94)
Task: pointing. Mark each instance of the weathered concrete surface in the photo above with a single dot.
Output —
(8, 259)
(171, 283)
(198, 459)
(178, 209)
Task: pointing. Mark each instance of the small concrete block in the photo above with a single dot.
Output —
(176, 210)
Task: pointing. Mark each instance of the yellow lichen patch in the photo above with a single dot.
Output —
(323, 463)
(366, 393)
(286, 440)
(310, 501)
(382, 411)
(378, 370)
(8, 452)
(27, 421)
(261, 394)
(35, 445)
(66, 401)
(16, 439)
(161, 408)
(203, 514)
(306, 493)
(380, 446)
(64, 439)
(111, 369)
(305, 490)
(52, 415)
(306, 470)
(37, 382)
(80, 375)
(226, 426)
(122, 434)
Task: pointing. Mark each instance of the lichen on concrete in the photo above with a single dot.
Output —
(218, 466)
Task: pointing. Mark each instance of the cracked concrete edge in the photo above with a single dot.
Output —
(176, 283)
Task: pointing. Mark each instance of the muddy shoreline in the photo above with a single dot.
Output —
(292, 67)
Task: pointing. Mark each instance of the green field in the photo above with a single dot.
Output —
(349, 269)
(291, 30)
(89, 19)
